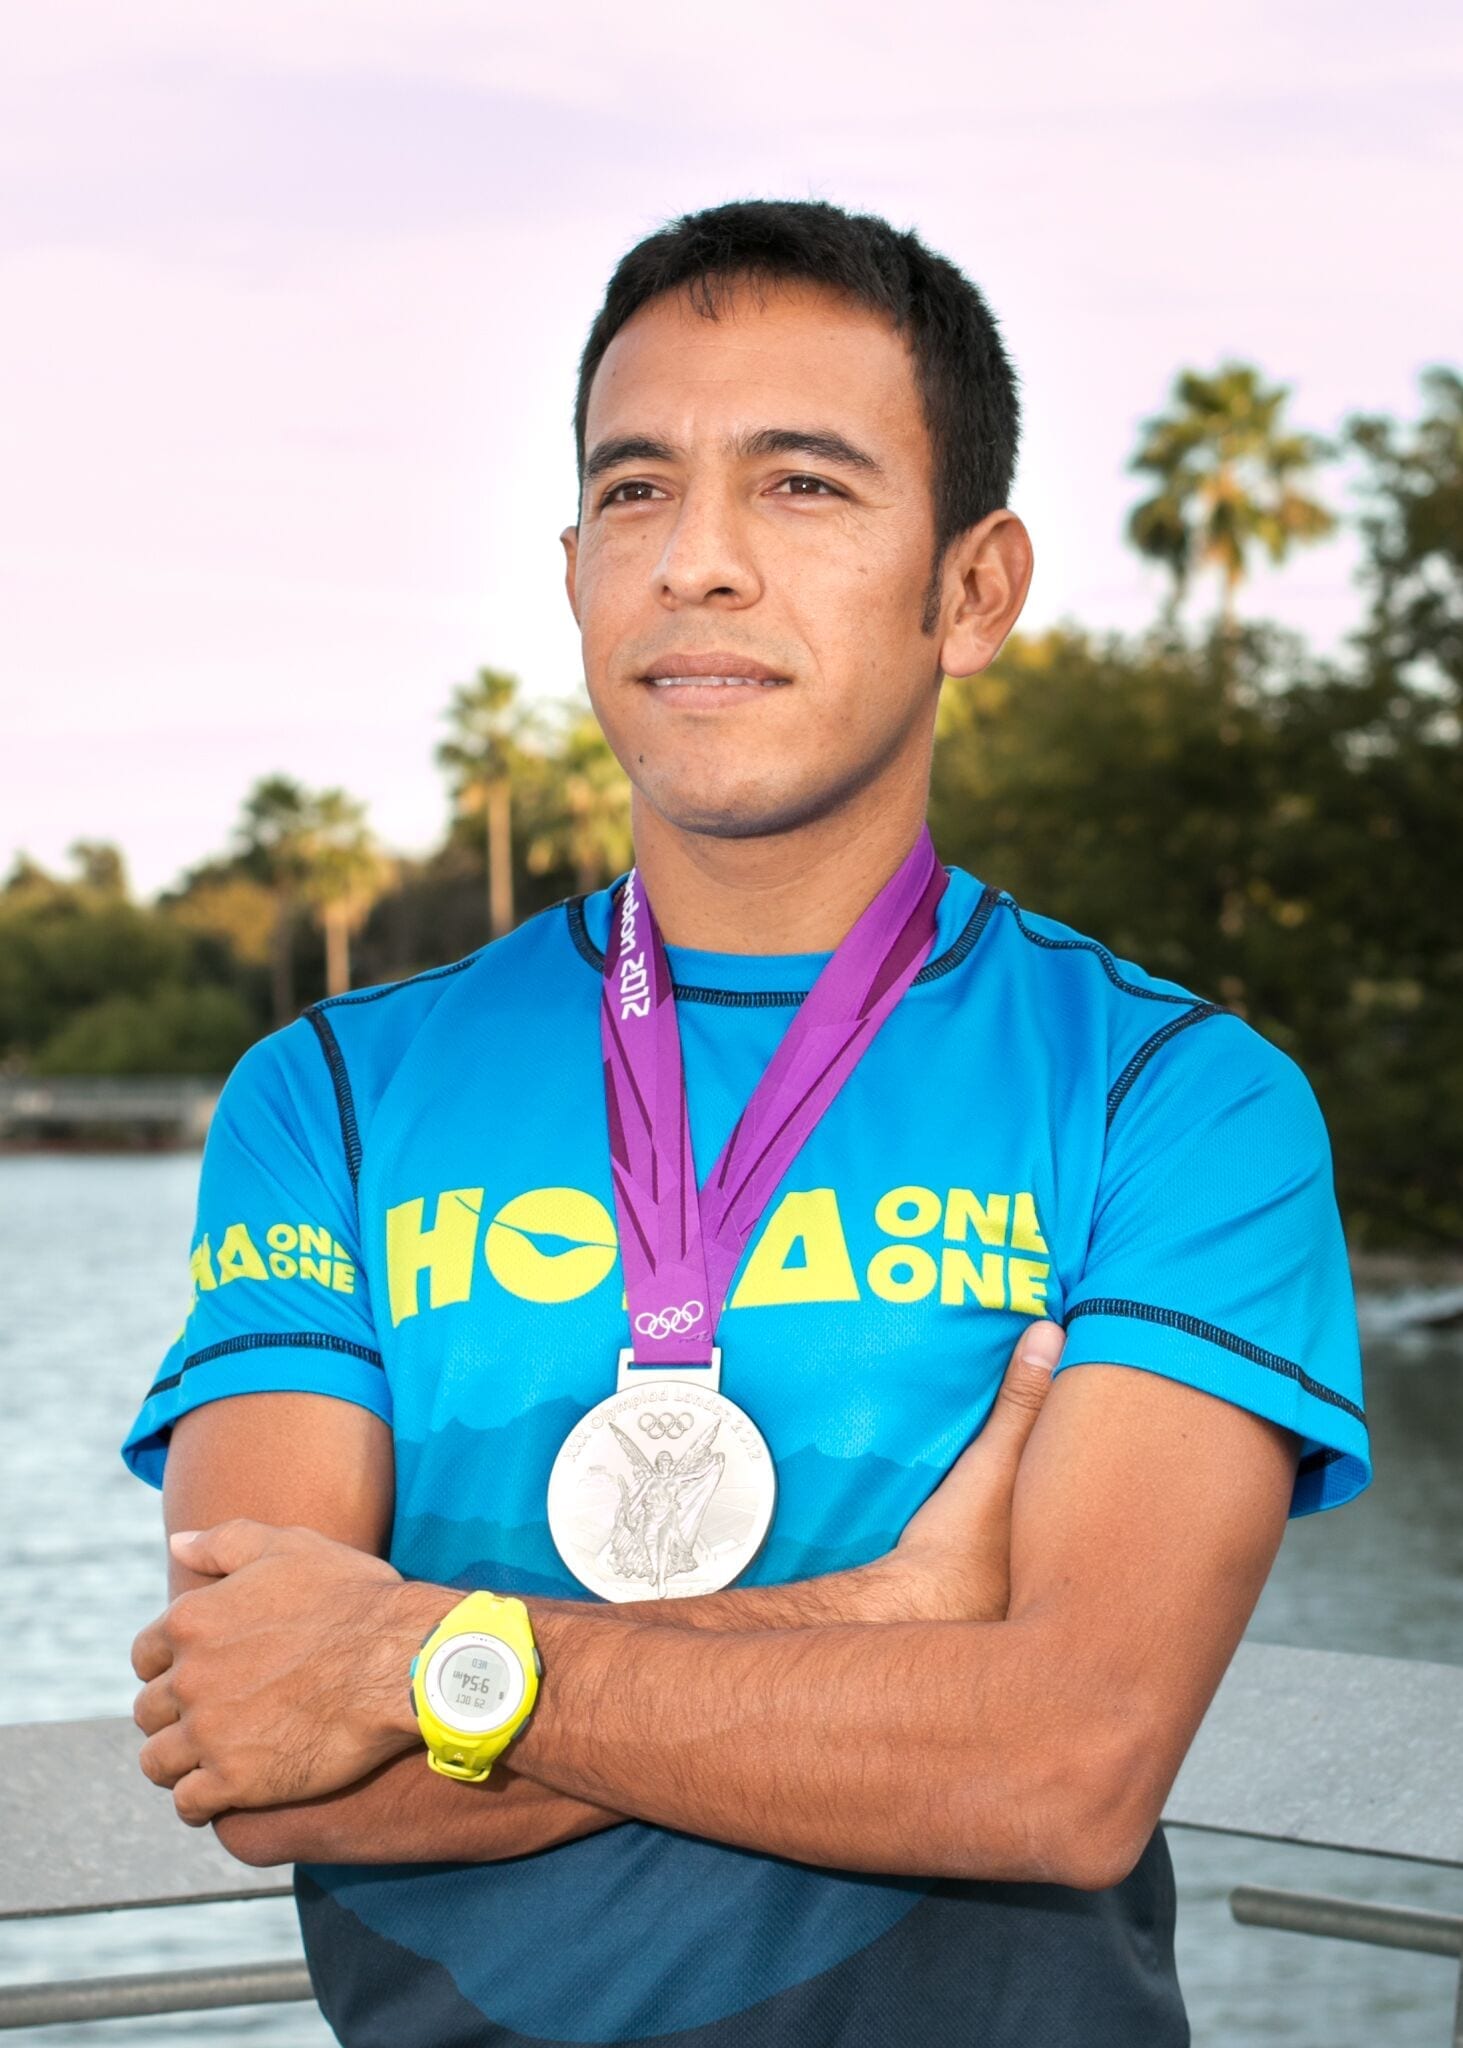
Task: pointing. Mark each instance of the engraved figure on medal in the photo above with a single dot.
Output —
(655, 1531)
(635, 1518)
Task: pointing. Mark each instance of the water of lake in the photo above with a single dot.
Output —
(92, 1288)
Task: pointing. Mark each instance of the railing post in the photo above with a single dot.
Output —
(1434, 1934)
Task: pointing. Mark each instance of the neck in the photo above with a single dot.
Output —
(798, 891)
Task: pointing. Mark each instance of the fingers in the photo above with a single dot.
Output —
(155, 1706)
(152, 1649)
(199, 1798)
(168, 1755)
(1024, 1387)
(155, 1647)
(170, 1759)
(227, 1547)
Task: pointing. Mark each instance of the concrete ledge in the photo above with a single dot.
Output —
(1330, 1751)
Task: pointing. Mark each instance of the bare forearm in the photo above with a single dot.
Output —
(884, 1590)
(406, 1813)
(899, 1747)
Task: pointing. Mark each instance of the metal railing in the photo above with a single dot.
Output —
(1308, 1747)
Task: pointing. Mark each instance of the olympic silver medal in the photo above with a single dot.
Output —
(663, 1490)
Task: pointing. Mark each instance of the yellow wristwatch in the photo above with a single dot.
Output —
(473, 1684)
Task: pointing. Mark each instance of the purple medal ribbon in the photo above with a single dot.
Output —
(679, 1251)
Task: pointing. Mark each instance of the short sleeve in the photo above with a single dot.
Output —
(279, 1298)
(1217, 1256)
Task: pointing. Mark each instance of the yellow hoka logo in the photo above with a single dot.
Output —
(290, 1251)
(556, 1244)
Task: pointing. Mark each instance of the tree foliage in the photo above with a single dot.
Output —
(1228, 480)
(91, 982)
(483, 755)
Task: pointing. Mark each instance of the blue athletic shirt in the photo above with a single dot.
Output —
(406, 1203)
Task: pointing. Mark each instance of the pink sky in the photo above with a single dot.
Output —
(291, 297)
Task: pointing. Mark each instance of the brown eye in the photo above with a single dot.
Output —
(612, 495)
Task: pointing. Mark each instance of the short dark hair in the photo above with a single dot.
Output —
(967, 385)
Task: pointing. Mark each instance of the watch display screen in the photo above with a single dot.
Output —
(477, 1681)
(474, 1683)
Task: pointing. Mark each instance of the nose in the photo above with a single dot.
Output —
(707, 558)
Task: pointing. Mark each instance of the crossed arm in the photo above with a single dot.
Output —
(908, 1716)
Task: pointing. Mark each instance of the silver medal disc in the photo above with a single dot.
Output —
(665, 1489)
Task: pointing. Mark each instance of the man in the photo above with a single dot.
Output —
(903, 1779)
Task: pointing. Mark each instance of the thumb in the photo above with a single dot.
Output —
(226, 1547)
(1025, 1384)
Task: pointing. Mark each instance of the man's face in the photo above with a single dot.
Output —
(757, 501)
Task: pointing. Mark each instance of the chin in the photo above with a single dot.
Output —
(717, 812)
(743, 813)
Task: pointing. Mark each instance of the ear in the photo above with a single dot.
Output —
(986, 576)
(569, 541)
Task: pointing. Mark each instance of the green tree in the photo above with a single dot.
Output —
(1412, 528)
(1227, 479)
(223, 902)
(343, 873)
(62, 947)
(168, 1030)
(585, 826)
(481, 754)
(29, 880)
(91, 982)
(1400, 1139)
(99, 866)
(315, 851)
(273, 836)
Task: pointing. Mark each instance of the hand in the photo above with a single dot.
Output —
(283, 1680)
(405, 1813)
(954, 1558)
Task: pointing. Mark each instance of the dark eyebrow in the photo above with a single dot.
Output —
(628, 448)
(814, 441)
(822, 445)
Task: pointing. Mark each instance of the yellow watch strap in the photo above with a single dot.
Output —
(463, 1753)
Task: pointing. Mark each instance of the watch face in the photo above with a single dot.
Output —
(474, 1682)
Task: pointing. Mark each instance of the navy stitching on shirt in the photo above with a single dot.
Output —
(584, 945)
(770, 999)
(345, 1104)
(1146, 1051)
(1175, 1319)
(975, 924)
(1317, 1461)
(740, 998)
(310, 1340)
(335, 1059)
(374, 995)
(1109, 965)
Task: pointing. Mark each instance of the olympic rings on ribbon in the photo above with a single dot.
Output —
(669, 1322)
(665, 1424)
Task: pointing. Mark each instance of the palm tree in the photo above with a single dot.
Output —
(310, 848)
(99, 865)
(589, 828)
(1226, 476)
(480, 756)
(274, 834)
(344, 872)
